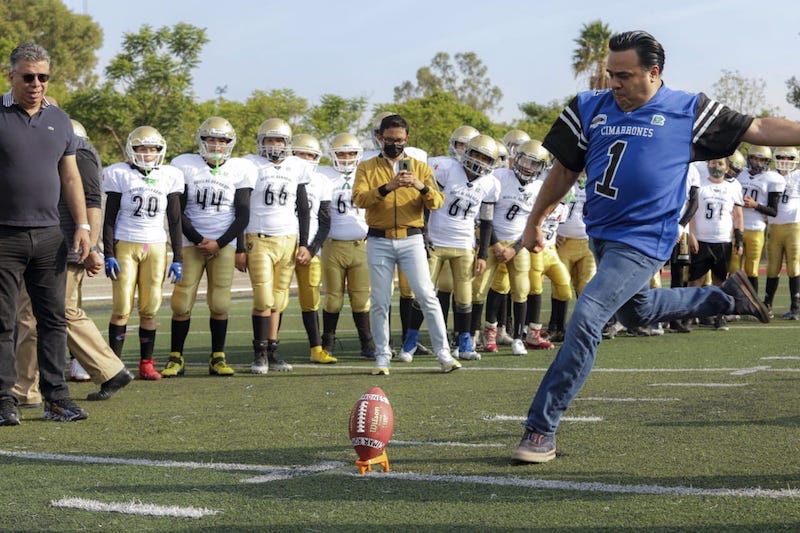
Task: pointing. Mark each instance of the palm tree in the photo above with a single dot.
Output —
(590, 57)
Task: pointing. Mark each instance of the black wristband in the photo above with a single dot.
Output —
(382, 190)
(738, 238)
(423, 191)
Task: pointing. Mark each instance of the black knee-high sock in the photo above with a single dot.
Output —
(754, 283)
(794, 293)
(219, 330)
(534, 308)
(116, 338)
(147, 343)
(261, 327)
(180, 329)
(772, 287)
(329, 323)
(461, 322)
(676, 276)
(405, 312)
(311, 323)
(363, 327)
(415, 317)
(520, 315)
(494, 301)
(475, 320)
(444, 301)
(558, 315)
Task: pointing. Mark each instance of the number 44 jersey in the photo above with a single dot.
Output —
(144, 200)
(210, 192)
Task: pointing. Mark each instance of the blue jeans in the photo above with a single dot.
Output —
(409, 254)
(39, 256)
(621, 286)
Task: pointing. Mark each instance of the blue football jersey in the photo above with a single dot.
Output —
(636, 162)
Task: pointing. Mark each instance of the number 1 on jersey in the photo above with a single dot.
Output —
(604, 188)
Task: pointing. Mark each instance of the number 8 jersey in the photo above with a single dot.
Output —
(144, 200)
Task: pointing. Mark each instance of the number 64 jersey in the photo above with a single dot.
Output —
(144, 200)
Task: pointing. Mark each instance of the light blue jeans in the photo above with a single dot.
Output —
(622, 286)
(409, 255)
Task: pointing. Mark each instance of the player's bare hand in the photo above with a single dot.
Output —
(81, 244)
(749, 202)
(480, 266)
(208, 247)
(694, 246)
(532, 238)
(241, 261)
(93, 263)
(507, 254)
(560, 241)
(303, 256)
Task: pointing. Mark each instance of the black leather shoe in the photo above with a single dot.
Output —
(110, 387)
(8, 411)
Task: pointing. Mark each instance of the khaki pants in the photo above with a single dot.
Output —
(84, 341)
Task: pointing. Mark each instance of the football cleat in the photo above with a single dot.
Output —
(320, 356)
(76, 371)
(518, 347)
(175, 366)
(503, 338)
(465, 349)
(490, 337)
(276, 364)
(218, 366)
(447, 363)
(147, 370)
(535, 341)
(260, 365)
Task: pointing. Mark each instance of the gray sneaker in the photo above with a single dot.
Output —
(63, 411)
(745, 299)
(535, 448)
(8, 411)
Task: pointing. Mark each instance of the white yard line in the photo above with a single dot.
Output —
(136, 508)
(710, 385)
(632, 400)
(509, 418)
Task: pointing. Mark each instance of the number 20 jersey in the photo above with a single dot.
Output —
(209, 195)
(144, 200)
(636, 162)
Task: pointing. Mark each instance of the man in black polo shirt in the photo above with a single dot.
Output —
(37, 165)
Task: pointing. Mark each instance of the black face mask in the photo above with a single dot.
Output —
(393, 150)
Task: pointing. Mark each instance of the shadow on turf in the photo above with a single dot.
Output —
(786, 421)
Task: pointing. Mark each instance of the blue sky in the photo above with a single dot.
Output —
(366, 48)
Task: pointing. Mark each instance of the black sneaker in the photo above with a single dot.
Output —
(720, 324)
(8, 411)
(422, 350)
(368, 350)
(535, 448)
(556, 335)
(745, 299)
(679, 326)
(63, 411)
(112, 386)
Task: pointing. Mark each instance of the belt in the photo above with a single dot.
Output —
(394, 233)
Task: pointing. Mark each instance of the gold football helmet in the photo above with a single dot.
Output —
(513, 139)
(531, 160)
(477, 146)
(274, 128)
(758, 158)
(146, 136)
(78, 129)
(304, 143)
(502, 159)
(376, 125)
(736, 163)
(459, 139)
(216, 128)
(785, 158)
(345, 152)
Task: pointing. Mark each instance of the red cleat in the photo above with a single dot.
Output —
(147, 370)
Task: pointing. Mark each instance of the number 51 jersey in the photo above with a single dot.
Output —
(210, 192)
(144, 200)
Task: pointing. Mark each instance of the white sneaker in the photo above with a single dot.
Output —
(405, 357)
(381, 367)
(447, 363)
(469, 356)
(76, 371)
(518, 347)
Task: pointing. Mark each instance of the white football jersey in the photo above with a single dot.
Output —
(692, 180)
(789, 206)
(144, 200)
(318, 190)
(274, 198)
(713, 220)
(210, 192)
(453, 225)
(441, 163)
(514, 204)
(411, 151)
(573, 226)
(551, 223)
(347, 220)
(758, 188)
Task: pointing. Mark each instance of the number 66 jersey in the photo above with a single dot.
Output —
(144, 200)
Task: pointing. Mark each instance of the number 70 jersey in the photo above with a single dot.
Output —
(144, 200)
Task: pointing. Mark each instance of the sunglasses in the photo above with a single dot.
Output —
(28, 78)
